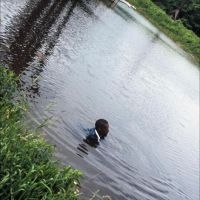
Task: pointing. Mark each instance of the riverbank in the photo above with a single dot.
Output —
(27, 168)
(185, 38)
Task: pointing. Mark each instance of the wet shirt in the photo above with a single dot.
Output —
(92, 137)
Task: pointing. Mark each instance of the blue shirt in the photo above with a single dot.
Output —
(92, 136)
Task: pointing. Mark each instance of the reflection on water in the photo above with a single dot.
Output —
(28, 32)
(32, 35)
(89, 61)
(82, 148)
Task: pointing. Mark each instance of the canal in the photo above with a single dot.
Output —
(83, 60)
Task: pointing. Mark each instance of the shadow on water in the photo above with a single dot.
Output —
(29, 31)
(53, 39)
(39, 24)
(82, 150)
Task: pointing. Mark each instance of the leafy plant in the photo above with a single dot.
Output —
(27, 170)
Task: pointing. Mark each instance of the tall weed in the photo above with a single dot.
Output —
(27, 170)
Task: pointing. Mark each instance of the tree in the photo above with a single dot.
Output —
(188, 11)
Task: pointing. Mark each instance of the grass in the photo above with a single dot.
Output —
(27, 169)
(185, 38)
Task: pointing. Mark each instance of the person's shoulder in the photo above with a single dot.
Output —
(92, 135)
(91, 131)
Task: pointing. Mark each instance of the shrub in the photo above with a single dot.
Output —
(27, 169)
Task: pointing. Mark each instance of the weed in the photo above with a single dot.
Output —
(27, 170)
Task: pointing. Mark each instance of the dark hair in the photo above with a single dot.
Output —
(100, 123)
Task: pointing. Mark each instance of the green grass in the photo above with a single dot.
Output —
(27, 169)
(185, 38)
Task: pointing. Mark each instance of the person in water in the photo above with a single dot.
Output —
(98, 133)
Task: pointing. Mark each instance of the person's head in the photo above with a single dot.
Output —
(102, 127)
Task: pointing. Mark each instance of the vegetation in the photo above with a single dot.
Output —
(27, 170)
(188, 11)
(188, 40)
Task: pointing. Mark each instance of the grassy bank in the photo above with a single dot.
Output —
(185, 38)
(27, 170)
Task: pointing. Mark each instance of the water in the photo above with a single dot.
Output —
(80, 61)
